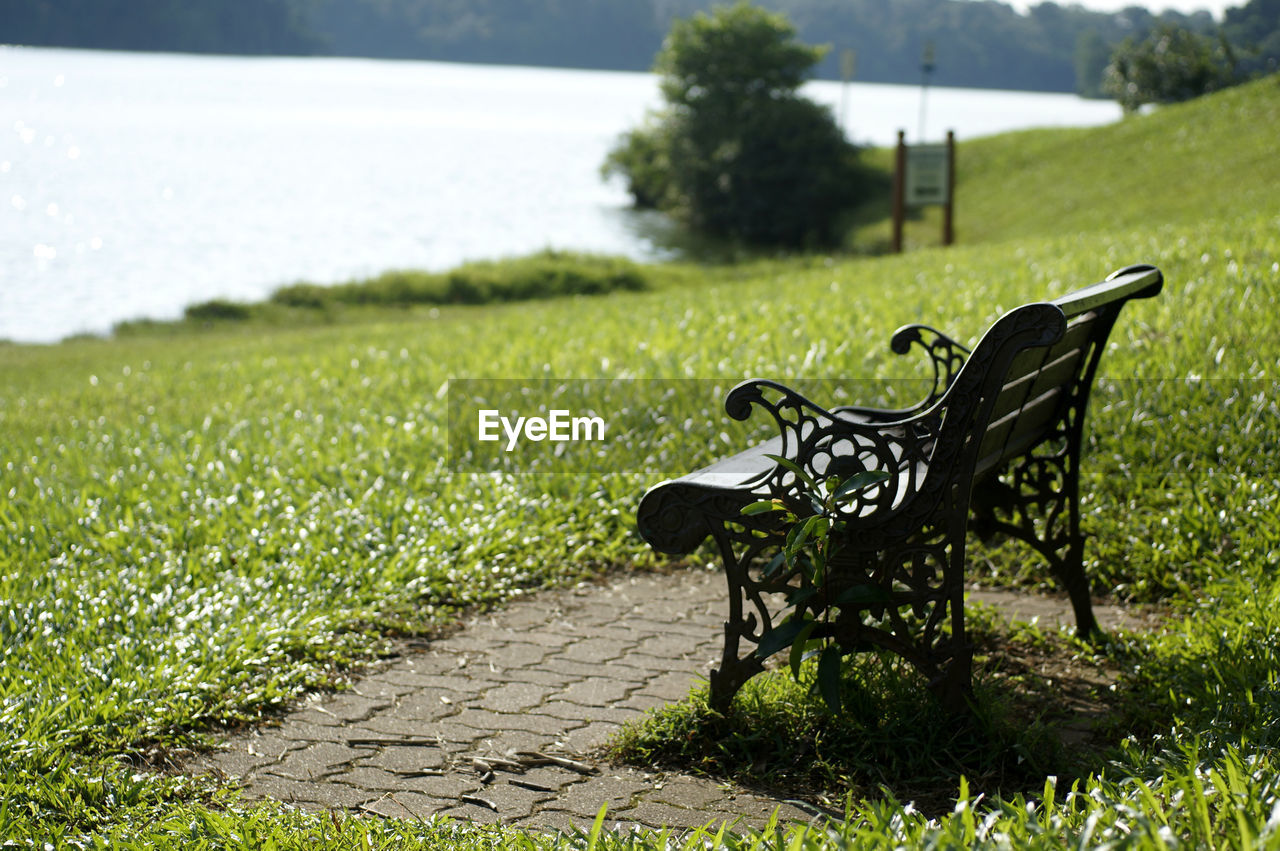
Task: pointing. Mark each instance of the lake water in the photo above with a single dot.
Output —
(132, 185)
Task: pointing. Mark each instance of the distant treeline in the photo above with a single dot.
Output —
(188, 26)
(978, 43)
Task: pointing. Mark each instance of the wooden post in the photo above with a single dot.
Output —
(899, 191)
(948, 230)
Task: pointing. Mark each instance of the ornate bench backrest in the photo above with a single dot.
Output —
(1041, 394)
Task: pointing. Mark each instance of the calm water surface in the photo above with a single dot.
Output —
(132, 185)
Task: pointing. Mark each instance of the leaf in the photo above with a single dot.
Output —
(801, 595)
(597, 826)
(800, 534)
(762, 507)
(797, 647)
(788, 464)
(779, 637)
(774, 563)
(861, 595)
(859, 482)
(829, 676)
(819, 560)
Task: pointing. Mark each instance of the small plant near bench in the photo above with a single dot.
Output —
(815, 525)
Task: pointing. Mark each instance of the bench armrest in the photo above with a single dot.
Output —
(827, 443)
(946, 356)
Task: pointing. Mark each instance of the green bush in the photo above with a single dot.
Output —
(640, 157)
(737, 153)
(301, 295)
(217, 309)
(547, 274)
(1170, 65)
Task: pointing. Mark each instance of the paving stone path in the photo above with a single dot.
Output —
(501, 720)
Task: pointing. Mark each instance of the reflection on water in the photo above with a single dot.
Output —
(660, 238)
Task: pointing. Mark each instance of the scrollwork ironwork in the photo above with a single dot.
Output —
(945, 355)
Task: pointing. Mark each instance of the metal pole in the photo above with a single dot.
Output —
(948, 212)
(926, 68)
(848, 65)
(899, 191)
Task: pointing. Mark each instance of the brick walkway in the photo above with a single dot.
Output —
(498, 721)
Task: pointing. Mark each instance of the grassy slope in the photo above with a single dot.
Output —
(1208, 159)
(191, 528)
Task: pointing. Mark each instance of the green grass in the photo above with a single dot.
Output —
(1210, 159)
(546, 274)
(194, 529)
(1197, 161)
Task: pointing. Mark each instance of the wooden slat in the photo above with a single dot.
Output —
(1061, 371)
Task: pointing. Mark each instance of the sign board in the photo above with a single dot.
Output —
(927, 178)
(922, 175)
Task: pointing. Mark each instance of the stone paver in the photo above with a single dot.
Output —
(452, 727)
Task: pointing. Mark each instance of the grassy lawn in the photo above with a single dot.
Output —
(195, 528)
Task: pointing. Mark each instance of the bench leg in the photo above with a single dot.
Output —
(954, 686)
(946, 659)
(1067, 566)
(734, 671)
(955, 690)
(1071, 574)
(1038, 503)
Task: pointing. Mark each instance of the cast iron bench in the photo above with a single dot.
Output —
(997, 440)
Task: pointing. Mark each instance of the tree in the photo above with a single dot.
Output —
(1254, 29)
(198, 26)
(1171, 64)
(737, 152)
(1092, 56)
